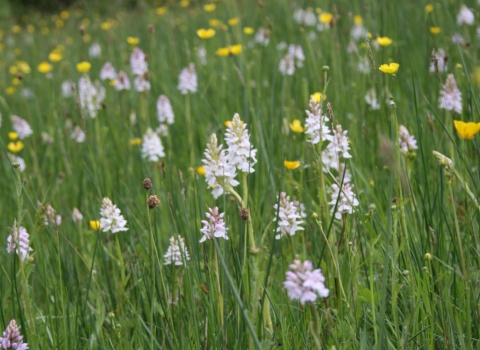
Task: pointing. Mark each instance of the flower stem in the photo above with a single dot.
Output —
(219, 290)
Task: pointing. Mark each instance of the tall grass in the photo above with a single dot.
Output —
(384, 291)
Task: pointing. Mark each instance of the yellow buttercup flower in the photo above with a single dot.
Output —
(30, 28)
(206, 33)
(389, 68)
(318, 96)
(64, 14)
(45, 30)
(23, 67)
(357, 19)
(296, 126)
(369, 35)
(15, 147)
(133, 40)
(325, 17)
(113, 82)
(59, 23)
(12, 135)
(55, 56)
(161, 10)
(384, 40)
(94, 225)
(106, 25)
(201, 171)
(248, 30)
(230, 50)
(435, 30)
(233, 21)
(214, 22)
(466, 130)
(13, 70)
(209, 7)
(184, 3)
(429, 8)
(10, 90)
(136, 141)
(16, 29)
(15, 81)
(45, 67)
(83, 67)
(291, 164)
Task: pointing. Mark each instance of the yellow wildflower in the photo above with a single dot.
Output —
(236, 49)
(64, 14)
(45, 30)
(133, 40)
(206, 33)
(23, 67)
(248, 30)
(201, 171)
(113, 82)
(209, 7)
(161, 10)
(233, 21)
(214, 22)
(325, 17)
(435, 30)
(55, 56)
(12, 135)
(318, 96)
(13, 70)
(106, 25)
(429, 8)
(15, 147)
(15, 81)
(16, 29)
(229, 122)
(136, 141)
(94, 225)
(230, 50)
(369, 35)
(466, 130)
(384, 40)
(296, 126)
(390, 68)
(291, 164)
(83, 67)
(30, 28)
(45, 67)
(184, 3)
(357, 19)
(10, 90)
(59, 23)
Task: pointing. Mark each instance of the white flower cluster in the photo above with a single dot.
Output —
(441, 58)
(122, 82)
(50, 216)
(371, 99)
(337, 149)
(90, 96)
(240, 152)
(68, 88)
(221, 165)
(16, 159)
(78, 135)
(219, 173)
(305, 17)
(95, 50)
(77, 216)
(18, 242)
(164, 114)
(108, 72)
(289, 214)
(177, 252)
(139, 66)
(21, 127)
(187, 80)
(215, 227)
(262, 36)
(465, 16)
(316, 124)
(152, 147)
(303, 284)
(111, 217)
(450, 96)
(407, 142)
(293, 59)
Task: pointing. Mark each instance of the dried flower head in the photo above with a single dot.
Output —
(153, 201)
(147, 184)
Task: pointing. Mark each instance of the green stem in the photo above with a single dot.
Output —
(154, 284)
(219, 289)
(122, 269)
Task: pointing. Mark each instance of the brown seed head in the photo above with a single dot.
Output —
(150, 29)
(153, 201)
(204, 288)
(244, 214)
(147, 184)
(82, 30)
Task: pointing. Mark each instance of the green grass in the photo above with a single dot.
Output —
(384, 294)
